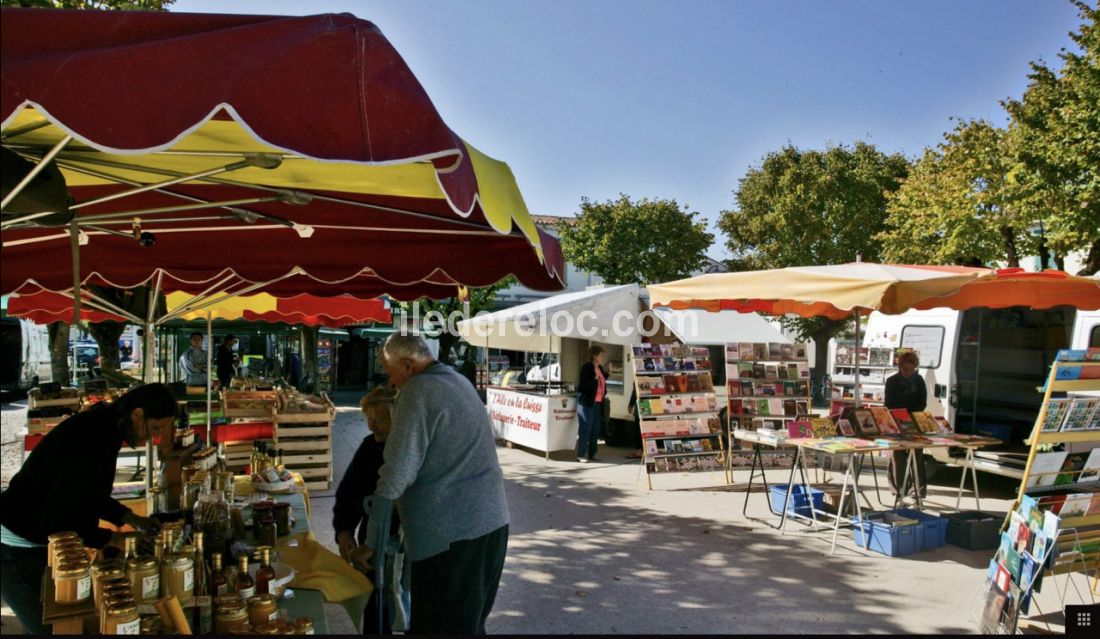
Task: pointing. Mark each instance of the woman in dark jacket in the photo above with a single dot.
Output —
(591, 390)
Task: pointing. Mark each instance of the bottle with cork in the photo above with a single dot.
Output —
(245, 586)
(265, 573)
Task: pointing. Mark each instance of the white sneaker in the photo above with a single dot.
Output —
(583, 460)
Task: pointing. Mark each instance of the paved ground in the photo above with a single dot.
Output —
(592, 550)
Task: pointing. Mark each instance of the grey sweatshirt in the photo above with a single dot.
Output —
(441, 462)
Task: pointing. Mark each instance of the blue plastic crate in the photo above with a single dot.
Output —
(934, 528)
(892, 541)
(800, 502)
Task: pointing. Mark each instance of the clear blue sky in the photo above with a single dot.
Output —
(677, 99)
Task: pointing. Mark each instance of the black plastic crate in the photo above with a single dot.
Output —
(974, 530)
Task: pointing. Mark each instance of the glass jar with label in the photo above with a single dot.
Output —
(185, 437)
(266, 531)
(302, 626)
(122, 619)
(177, 577)
(144, 575)
(72, 583)
(228, 615)
(262, 609)
(120, 601)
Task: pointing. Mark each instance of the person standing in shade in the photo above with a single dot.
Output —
(591, 390)
(360, 480)
(227, 361)
(65, 485)
(441, 467)
(193, 362)
(906, 389)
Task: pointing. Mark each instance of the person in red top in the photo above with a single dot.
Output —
(591, 390)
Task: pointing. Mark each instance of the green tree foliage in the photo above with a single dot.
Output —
(962, 203)
(1056, 126)
(479, 299)
(120, 5)
(812, 207)
(643, 242)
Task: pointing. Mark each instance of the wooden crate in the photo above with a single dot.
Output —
(237, 455)
(70, 397)
(43, 425)
(231, 404)
(306, 442)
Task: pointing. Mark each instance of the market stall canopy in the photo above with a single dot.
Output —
(699, 328)
(836, 291)
(46, 306)
(606, 315)
(197, 145)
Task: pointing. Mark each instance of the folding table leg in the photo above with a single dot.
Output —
(790, 489)
(840, 506)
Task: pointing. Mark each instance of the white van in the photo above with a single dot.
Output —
(24, 353)
(983, 366)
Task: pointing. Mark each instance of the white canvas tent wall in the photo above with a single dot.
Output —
(702, 328)
(539, 326)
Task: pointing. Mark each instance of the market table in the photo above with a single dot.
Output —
(759, 443)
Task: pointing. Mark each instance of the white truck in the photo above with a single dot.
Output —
(983, 367)
(24, 354)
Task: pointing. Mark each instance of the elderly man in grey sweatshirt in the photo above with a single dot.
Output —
(441, 466)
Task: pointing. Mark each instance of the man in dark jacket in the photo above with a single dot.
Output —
(906, 389)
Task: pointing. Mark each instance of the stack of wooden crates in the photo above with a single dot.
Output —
(305, 439)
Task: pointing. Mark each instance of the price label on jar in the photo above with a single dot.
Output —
(189, 579)
(83, 588)
(129, 628)
(247, 592)
(150, 587)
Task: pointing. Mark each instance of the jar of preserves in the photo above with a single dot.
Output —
(121, 619)
(302, 626)
(104, 575)
(230, 615)
(262, 609)
(144, 575)
(55, 540)
(118, 587)
(185, 437)
(282, 518)
(266, 531)
(260, 510)
(72, 583)
(177, 577)
(72, 548)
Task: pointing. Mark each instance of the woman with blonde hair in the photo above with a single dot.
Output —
(349, 520)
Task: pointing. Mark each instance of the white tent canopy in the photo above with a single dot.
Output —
(702, 328)
(540, 326)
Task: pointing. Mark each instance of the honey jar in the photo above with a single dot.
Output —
(104, 575)
(177, 577)
(113, 602)
(230, 615)
(262, 609)
(122, 619)
(55, 540)
(144, 576)
(72, 583)
(302, 626)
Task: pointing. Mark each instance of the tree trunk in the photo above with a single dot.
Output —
(59, 352)
(1092, 262)
(309, 354)
(1011, 256)
(107, 334)
(1044, 253)
(1060, 262)
(821, 360)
